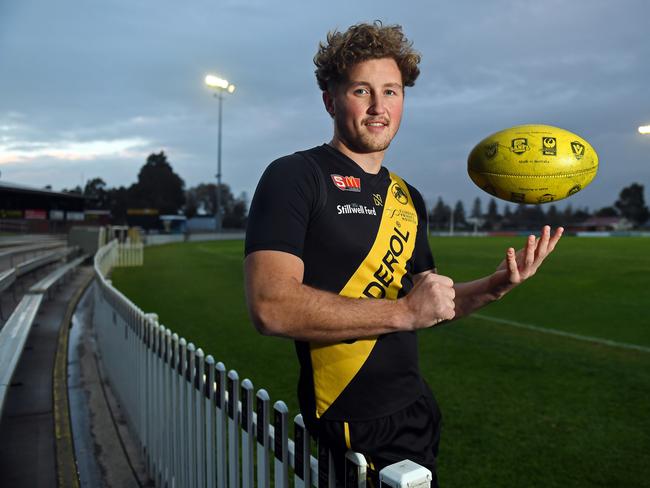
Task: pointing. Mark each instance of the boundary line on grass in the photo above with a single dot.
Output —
(544, 330)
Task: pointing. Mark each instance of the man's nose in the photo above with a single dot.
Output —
(377, 105)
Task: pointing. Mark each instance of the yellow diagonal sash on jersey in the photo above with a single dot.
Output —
(335, 365)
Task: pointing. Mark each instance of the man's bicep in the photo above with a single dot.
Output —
(272, 279)
(264, 271)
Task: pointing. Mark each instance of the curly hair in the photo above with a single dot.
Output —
(360, 43)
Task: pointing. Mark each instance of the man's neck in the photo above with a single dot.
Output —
(369, 162)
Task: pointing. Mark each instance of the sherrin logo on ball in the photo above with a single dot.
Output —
(532, 164)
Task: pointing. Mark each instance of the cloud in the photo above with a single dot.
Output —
(17, 151)
(103, 85)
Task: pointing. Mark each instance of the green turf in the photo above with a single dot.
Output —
(520, 408)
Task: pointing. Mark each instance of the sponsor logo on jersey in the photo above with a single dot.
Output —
(355, 208)
(399, 194)
(376, 199)
(346, 183)
(384, 272)
(398, 213)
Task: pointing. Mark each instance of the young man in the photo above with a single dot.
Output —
(337, 259)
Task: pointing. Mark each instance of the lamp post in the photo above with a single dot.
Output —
(219, 86)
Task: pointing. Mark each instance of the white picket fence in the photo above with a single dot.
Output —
(199, 425)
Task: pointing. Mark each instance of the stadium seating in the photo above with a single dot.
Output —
(12, 339)
(15, 331)
(44, 285)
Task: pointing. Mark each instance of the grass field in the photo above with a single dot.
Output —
(521, 408)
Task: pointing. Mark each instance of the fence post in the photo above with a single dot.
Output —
(199, 387)
(174, 422)
(155, 395)
(167, 401)
(355, 470)
(247, 434)
(263, 464)
(142, 376)
(211, 404)
(182, 394)
(147, 395)
(221, 425)
(233, 429)
(281, 448)
(302, 454)
(191, 437)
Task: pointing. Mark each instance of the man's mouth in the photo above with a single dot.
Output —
(377, 123)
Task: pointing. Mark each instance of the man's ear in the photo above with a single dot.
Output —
(328, 100)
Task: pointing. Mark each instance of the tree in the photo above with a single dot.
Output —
(439, 216)
(118, 202)
(492, 217)
(528, 216)
(507, 220)
(553, 217)
(77, 189)
(235, 217)
(567, 215)
(158, 186)
(607, 212)
(477, 211)
(632, 205)
(95, 189)
(203, 199)
(581, 215)
(459, 214)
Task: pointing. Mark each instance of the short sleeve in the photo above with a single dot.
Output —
(286, 197)
(422, 257)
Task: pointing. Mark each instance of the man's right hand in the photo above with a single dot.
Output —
(431, 300)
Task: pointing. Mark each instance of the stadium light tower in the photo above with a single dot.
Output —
(644, 129)
(220, 87)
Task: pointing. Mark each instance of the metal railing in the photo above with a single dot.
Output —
(197, 423)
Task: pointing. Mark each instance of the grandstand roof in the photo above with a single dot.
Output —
(18, 188)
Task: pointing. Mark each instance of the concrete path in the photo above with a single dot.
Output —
(106, 452)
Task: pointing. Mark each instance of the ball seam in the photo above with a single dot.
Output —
(516, 175)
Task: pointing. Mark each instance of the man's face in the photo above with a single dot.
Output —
(367, 107)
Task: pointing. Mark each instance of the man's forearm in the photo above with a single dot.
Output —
(301, 312)
(472, 295)
(281, 305)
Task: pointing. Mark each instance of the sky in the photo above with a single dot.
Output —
(90, 89)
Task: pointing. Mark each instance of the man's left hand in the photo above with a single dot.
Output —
(521, 265)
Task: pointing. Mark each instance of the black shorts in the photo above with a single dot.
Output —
(412, 433)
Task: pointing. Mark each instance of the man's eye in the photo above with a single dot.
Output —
(360, 91)
(391, 92)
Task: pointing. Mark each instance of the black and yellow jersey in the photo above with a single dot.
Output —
(359, 235)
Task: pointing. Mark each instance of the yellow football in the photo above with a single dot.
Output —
(532, 164)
